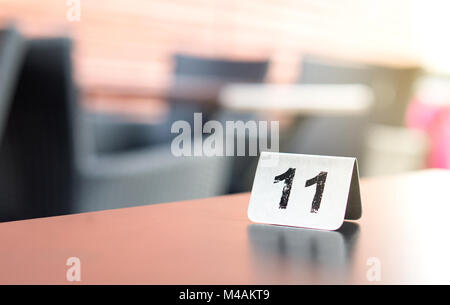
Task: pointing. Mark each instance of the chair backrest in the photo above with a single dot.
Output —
(37, 156)
(392, 86)
(336, 136)
(223, 72)
(317, 71)
(221, 69)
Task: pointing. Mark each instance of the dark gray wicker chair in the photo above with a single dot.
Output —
(49, 164)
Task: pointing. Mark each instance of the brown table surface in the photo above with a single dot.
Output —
(405, 225)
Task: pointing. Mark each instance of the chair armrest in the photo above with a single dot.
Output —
(149, 176)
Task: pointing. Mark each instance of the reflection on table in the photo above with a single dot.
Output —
(292, 254)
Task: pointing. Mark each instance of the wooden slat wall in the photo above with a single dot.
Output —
(129, 43)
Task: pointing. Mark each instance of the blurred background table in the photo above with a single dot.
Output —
(298, 100)
(211, 241)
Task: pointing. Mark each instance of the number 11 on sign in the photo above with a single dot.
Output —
(288, 178)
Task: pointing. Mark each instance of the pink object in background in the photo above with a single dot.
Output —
(435, 121)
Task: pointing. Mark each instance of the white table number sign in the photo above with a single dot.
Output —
(305, 191)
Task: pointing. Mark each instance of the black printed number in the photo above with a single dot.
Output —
(288, 178)
(319, 181)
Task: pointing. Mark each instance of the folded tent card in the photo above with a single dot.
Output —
(316, 192)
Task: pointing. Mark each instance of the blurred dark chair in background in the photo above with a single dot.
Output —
(115, 133)
(220, 69)
(218, 73)
(49, 164)
(329, 135)
(345, 136)
(392, 86)
(215, 73)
